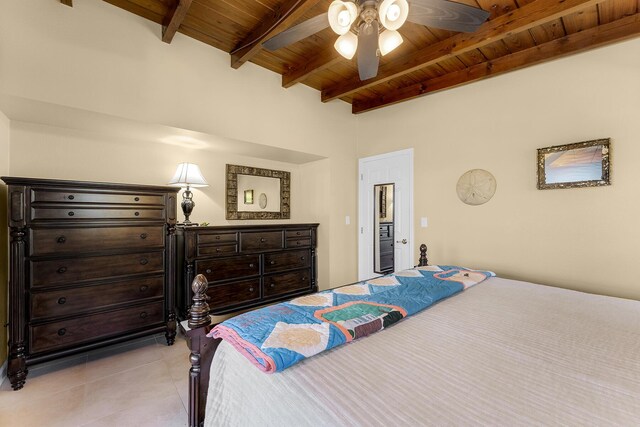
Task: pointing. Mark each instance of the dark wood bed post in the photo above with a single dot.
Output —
(202, 350)
(423, 256)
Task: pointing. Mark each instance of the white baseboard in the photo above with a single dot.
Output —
(3, 372)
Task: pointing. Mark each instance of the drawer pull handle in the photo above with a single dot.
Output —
(208, 271)
(217, 237)
(137, 199)
(143, 236)
(272, 285)
(144, 261)
(304, 279)
(70, 197)
(62, 331)
(272, 262)
(62, 300)
(251, 265)
(301, 258)
(218, 250)
(62, 270)
(298, 242)
(61, 239)
(137, 213)
(262, 240)
(144, 288)
(250, 289)
(143, 315)
(297, 233)
(71, 213)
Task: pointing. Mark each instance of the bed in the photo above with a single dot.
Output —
(503, 352)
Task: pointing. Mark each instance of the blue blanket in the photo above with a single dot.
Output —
(278, 336)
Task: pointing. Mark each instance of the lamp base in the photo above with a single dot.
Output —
(188, 224)
(187, 205)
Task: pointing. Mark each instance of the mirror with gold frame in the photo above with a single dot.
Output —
(582, 164)
(270, 188)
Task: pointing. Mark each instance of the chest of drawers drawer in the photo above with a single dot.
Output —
(63, 302)
(236, 267)
(47, 241)
(217, 238)
(73, 270)
(297, 234)
(73, 196)
(71, 332)
(260, 241)
(284, 283)
(218, 250)
(95, 213)
(289, 260)
(236, 293)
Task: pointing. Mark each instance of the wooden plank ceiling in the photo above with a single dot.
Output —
(518, 33)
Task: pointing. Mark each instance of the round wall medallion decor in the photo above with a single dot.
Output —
(476, 186)
(262, 201)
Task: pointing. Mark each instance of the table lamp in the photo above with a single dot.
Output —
(188, 175)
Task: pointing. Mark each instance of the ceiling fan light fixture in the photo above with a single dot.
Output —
(388, 41)
(393, 13)
(347, 44)
(342, 15)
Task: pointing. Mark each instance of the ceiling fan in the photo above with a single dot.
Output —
(370, 26)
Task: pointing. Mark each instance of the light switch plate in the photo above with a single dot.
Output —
(423, 222)
(347, 220)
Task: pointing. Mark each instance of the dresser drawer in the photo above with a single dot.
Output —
(277, 284)
(218, 250)
(292, 234)
(89, 213)
(298, 243)
(45, 241)
(67, 333)
(230, 294)
(96, 197)
(265, 240)
(286, 261)
(72, 270)
(229, 268)
(62, 302)
(386, 245)
(215, 238)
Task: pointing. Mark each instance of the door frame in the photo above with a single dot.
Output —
(364, 218)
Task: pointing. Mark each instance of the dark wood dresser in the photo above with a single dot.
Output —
(91, 264)
(386, 247)
(246, 266)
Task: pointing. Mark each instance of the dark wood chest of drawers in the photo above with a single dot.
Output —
(246, 266)
(90, 264)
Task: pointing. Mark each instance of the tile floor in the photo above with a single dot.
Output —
(139, 383)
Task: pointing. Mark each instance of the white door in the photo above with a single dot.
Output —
(390, 168)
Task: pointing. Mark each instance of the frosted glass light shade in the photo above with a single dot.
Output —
(342, 14)
(393, 13)
(388, 41)
(188, 174)
(347, 44)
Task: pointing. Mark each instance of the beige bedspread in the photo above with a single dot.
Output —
(501, 353)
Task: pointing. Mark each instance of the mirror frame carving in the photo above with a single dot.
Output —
(231, 186)
(606, 172)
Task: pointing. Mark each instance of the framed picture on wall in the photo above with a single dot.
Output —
(581, 164)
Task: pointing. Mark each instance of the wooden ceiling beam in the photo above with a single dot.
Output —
(622, 29)
(531, 15)
(67, 2)
(281, 19)
(174, 19)
(322, 60)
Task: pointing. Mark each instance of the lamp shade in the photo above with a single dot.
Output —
(188, 174)
(388, 41)
(347, 44)
(341, 15)
(393, 13)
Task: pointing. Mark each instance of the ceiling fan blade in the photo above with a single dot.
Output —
(368, 51)
(298, 32)
(447, 15)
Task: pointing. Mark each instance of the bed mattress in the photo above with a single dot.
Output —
(501, 353)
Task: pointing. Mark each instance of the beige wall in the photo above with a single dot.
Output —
(4, 241)
(583, 239)
(99, 58)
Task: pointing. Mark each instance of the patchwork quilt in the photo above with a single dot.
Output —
(278, 336)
